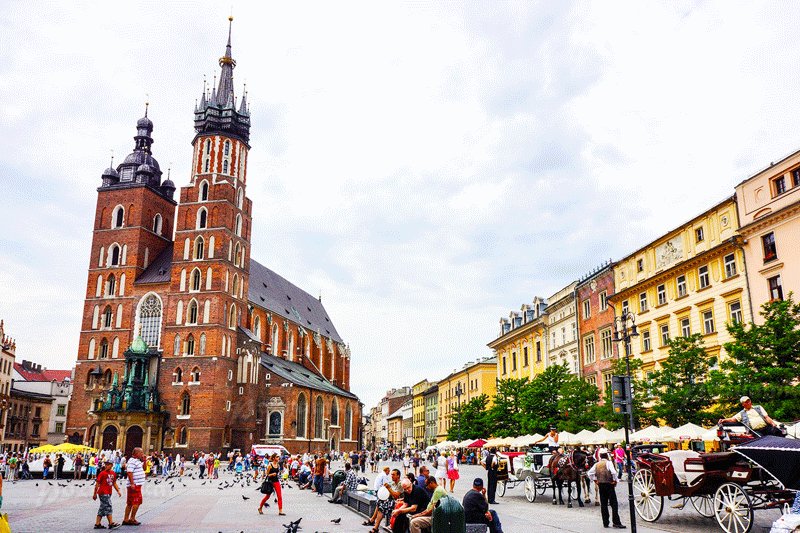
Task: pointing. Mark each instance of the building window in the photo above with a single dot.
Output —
(334, 413)
(525, 356)
(607, 380)
(113, 255)
(646, 341)
(318, 414)
(197, 279)
(111, 285)
(104, 349)
(239, 225)
(588, 350)
(730, 265)
(157, 223)
(150, 320)
(603, 301)
(513, 361)
(795, 177)
(735, 312)
(608, 344)
(625, 307)
(703, 276)
(190, 345)
(768, 243)
(587, 308)
(708, 322)
(107, 318)
(664, 334)
(61, 410)
(225, 166)
(348, 422)
(204, 191)
(118, 217)
(202, 344)
(195, 376)
(183, 436)
(186, 404)
(538, 351)
(202, 218)
(775, 288)
(59, 427)
(208, 162)
(661, 291)
(780, 185)
(505, 370)
(192, 313)
(639, 265)
(227, 148)
(680, 283)
(177, 376)
(301, 415)
(686, 328)
(199, 248)
(643, 302)
(699, 236)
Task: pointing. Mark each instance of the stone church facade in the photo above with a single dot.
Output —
(187, 343)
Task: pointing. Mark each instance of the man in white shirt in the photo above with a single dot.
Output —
(754, 418)
(604, 475)
(383, 478)
(135, 473)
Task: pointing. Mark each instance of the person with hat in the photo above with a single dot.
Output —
(550, 440)
(604, 475)
(476, 508)
(106, 480)
(755, 418)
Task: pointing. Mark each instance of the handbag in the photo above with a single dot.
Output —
(267, 488)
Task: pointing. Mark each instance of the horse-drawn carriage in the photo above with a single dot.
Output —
(532, 469)
(728, 486)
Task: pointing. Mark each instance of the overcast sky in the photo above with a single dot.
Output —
(425, 167)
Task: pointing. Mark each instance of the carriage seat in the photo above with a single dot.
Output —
(678, 459)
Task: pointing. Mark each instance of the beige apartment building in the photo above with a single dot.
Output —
(690, 280)
(769, 214)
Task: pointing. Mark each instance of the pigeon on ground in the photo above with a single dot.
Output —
(245, 497)
(336, 520)
(49, 483)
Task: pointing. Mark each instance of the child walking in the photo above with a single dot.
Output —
(106, 480)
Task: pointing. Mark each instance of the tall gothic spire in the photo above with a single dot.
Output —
(225, 90)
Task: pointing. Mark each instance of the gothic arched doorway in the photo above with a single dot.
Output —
(133, 439)
(75, 438)
(109, 438)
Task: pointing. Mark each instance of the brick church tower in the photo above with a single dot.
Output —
(210, 263)
(187, 343)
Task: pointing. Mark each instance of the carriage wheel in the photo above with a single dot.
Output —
(530, 489)
(733, 509)
(501, 488)
(648, 504)
(703, 505)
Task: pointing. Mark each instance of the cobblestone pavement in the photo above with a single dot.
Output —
(201, 508)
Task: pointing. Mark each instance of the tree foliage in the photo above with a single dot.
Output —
(681, 388)
(470, 420)
(506, 416)
(764, 362)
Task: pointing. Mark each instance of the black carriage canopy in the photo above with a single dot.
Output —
(777, 455)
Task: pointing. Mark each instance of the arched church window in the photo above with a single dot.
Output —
(118, 217)
(190, 345)
(111, 285)
(177, 376)
(157, 223)
(334, 413)
(348, 422)
(182, 436)
(208, 146)
(192, 313)
(240, 198)
(195, 377)
(204, 191)
(202, 218)
(186, 404)
(202, 344)
(225, 166)
(199, 248)
(302, 415)
(149, 320)
(104, 349)
(232, 317)
(107, 320)
(113, 255)
(227, 148)
(239, 225)
(318, 414)
(177, 345)
(197, 278)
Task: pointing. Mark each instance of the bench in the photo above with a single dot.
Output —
(361, 502)
(477, 528)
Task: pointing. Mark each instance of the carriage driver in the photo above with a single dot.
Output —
(550, 440)
(754, 417)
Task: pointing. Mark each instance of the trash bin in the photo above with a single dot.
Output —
(448, 517)
(337, 479)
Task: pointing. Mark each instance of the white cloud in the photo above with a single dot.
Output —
(427, 167)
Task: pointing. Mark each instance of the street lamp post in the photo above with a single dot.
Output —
(624, 331)
(458, 392)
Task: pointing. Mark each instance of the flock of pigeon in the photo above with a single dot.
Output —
(242, 481)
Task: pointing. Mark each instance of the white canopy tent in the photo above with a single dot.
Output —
(685, 432)
(584, 436)
(601, 436)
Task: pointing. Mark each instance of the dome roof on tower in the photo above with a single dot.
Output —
(144, 122)
(144, 168)
(110, 173)
(139, 157)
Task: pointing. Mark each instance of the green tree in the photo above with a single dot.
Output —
(642, 415)
(471, 420)
(578, 404)
(764, 362)
(541, 400)
(506, 414)
(681, 388)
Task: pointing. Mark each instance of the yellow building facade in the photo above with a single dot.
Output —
(472, 380)
(691, 280)
(521, 348)
(418, 412)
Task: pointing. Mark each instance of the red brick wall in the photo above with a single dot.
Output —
(590, 289)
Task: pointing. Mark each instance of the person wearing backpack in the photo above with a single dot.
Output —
(491, 465)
